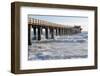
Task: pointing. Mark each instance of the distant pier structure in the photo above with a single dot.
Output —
(51, 29)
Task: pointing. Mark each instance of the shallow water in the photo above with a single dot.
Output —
(62, 47)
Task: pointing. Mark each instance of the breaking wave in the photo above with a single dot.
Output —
(62, 47)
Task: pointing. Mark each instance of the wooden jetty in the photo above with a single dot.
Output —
(52, 29)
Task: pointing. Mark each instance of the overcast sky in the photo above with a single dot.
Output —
(66, 20)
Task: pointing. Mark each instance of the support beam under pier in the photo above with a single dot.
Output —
(34, 31)
(46, 32)
(56, 29)
(29, 35)
(52, 33)
(59, 31)
(39, 33)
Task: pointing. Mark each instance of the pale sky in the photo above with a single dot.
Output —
(66, 20)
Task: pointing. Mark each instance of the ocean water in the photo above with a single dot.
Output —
(62, 47)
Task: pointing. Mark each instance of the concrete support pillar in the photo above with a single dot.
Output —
(63, 31)
(52, 33)
(46, 32)
(34, 31)
(71, 30)
(59, 31)
(29, 35)
(39, 33)
(56, 31)
(66, 31)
